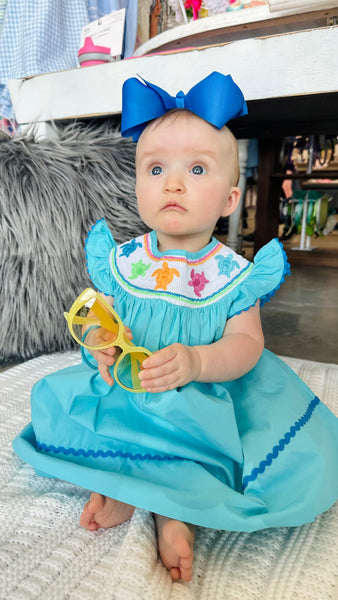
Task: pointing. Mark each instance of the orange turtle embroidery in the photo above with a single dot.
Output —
(164, 276)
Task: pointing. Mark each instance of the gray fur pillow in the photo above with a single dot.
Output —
(51, 192)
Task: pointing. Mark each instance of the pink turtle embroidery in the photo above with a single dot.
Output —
(198, 282)
(164, 276)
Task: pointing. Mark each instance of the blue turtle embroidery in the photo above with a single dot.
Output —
(226, 264)
(129, 247)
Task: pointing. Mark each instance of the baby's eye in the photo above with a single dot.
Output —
(198, 170)
(156, 170)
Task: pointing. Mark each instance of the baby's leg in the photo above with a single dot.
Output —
(175, 545)
(101, 511)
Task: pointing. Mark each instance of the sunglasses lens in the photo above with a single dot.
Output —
(76, 324)
(129, 368)
(96, 313)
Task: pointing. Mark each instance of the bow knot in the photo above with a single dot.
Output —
(217, 99)
(180, 100)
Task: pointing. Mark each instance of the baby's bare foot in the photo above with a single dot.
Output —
(175, 545)
(101, 511)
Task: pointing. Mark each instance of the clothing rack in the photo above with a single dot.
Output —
(305, 240)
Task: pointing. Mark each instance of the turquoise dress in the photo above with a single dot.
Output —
(260, 451)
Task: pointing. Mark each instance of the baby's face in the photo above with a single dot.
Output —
(184, 175)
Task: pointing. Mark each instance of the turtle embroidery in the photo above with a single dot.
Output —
(226, 265)
(198, 281)
(164, 276)
(138, 269)
(129, 247)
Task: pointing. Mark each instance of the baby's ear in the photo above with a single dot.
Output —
(232, 201)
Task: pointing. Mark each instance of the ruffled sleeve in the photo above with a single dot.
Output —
(269, 272)
(99, 245)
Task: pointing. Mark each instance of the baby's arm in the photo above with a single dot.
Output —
(236, 353)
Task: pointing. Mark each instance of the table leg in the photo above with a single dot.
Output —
(268, 192)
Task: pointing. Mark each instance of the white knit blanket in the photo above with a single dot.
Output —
(44, 553)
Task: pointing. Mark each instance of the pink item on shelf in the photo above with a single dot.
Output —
(195, 5)
(90, 55)
(252, 3)
(235, 5)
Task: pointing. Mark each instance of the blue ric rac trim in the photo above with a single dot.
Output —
(268, 296)
(281, 444)
(286, 271)
(104, 453)
(244, 309)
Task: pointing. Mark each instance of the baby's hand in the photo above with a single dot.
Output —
(170, 368)
(107, 357)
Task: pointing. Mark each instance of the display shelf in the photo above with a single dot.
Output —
(242, 24)
(284, 66)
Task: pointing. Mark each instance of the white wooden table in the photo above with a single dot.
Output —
(290, 81)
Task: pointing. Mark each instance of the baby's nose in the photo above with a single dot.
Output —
(174, 183)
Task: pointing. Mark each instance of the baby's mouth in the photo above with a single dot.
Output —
(174, 206)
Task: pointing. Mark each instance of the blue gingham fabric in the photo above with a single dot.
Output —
(41, 36)
(3, 4)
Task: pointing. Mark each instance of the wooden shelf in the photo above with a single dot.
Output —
(231, 26)
(320, 186)
(313, 175)
(283, 79)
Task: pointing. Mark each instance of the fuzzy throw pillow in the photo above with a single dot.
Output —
(51, 193)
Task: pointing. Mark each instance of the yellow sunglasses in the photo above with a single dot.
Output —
(92, 310)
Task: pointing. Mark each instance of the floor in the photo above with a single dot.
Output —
(301, 320)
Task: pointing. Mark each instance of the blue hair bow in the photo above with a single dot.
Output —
(217, 99)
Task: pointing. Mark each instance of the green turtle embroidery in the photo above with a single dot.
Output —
(164, 276)
(138, 269)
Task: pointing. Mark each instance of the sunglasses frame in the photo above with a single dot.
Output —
(108, 318)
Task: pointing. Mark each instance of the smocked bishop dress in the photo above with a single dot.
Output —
(243, 455)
